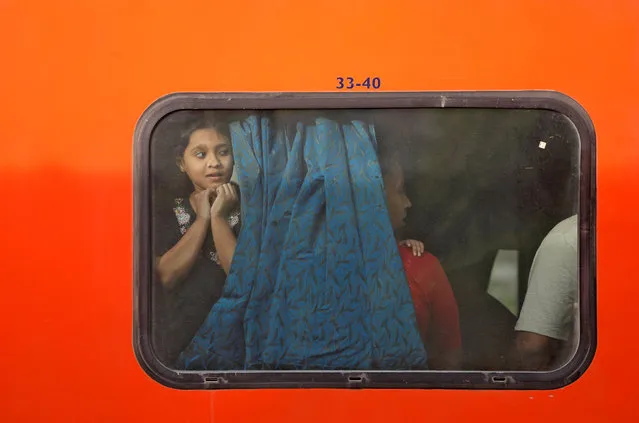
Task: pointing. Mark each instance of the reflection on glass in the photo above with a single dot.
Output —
(411, 239)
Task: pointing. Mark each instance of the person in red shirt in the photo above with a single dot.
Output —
(435, 305)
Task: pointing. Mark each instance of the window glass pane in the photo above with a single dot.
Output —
(369, 240)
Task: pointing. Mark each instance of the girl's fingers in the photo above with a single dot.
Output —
(416, 246)
(228, 191)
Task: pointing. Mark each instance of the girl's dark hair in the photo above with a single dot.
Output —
(169, 140)
(390, 149)
(200, 119)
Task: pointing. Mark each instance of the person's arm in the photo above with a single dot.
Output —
(444, 336)
(533, 351)
(223, 237)
(545, 320)
(225, 241)
(177, 262)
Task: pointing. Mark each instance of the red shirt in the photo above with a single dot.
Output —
(435, 305)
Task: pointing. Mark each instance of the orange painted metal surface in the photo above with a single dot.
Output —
(76, 76)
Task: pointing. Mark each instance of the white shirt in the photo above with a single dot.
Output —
(553, 285)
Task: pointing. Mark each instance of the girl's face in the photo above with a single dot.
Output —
(208, 159)
(396, 200)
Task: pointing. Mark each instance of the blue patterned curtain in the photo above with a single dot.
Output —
(316, 280)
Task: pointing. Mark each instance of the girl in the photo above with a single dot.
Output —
(196, 237)
(435, 306)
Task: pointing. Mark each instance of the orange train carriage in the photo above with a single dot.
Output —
(76, 79)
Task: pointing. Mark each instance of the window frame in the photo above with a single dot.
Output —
(142, 258)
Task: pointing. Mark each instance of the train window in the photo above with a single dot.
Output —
(386, 240)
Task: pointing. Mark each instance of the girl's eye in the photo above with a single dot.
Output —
(224, 152)
(200, 155)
